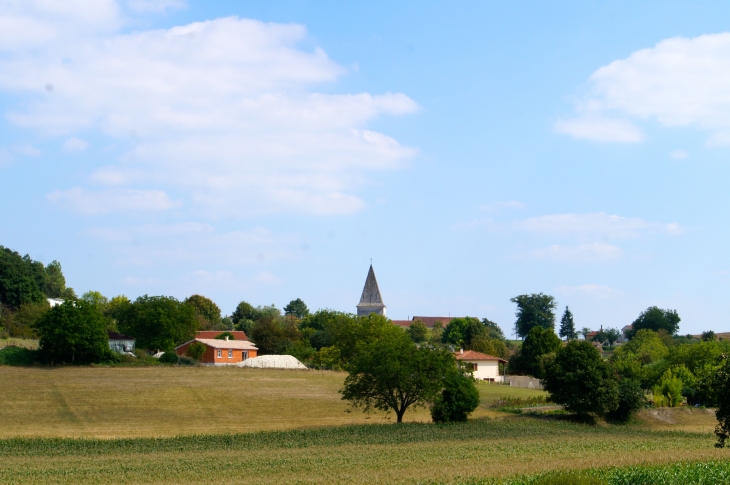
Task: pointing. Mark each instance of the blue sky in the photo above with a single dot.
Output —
(264, 151)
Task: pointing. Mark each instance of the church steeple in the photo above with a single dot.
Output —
(371, 301)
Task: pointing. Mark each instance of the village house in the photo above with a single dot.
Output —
(483, 367)
(121, 343)
(221, 352)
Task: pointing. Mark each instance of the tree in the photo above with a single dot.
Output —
(158, 322)
(96, 299)
(656, 319)
(611, 335)
(209, 314)
(458, 399)
(73, 332)
(722, 398)
(460, 331)
(539, 343)
(22, 323)
(196, 350)
(273, 334)
(393, 374)
(493, 330)
(296, 308)
(708, 336)
(670, 387)
(418, 331)
(17, 282)
(567, 326)
(580, 380)
(226, 336)
(242, 315)
(55, 283)
(534, 310)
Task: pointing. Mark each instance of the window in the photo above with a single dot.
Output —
(230, 354)
(244, 355)
(220, 353)
(476, 366)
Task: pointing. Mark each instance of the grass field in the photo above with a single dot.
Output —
(192, 424)
(109, 402)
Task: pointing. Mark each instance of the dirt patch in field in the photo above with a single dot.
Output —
(679, 419)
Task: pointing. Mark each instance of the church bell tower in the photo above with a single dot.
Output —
(370, 301)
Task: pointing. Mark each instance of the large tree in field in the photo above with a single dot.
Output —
(656, 319)
(540, 342)
(158, 322)
(74, 332)
(393, 374)
(580, 380)
(567, 326)
(536, 310)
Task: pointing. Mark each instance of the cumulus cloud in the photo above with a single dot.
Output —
(230, 112)
(679, 82)
(596, 224)
(144, 6)
(112, 200)
(75, 145)
(590, 252)
(589, 290)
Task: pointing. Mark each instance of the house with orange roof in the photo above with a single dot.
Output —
(222, 352)
(484, 367)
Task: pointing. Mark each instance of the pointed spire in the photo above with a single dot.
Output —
(371, 301)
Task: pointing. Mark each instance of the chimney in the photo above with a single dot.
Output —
(226, 338)
(462, 351)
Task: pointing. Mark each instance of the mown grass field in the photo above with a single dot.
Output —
(196, 424)
(112, 402)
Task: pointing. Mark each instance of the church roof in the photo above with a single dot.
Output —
(371, 293)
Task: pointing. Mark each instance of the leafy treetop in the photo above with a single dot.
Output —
(656, 319)
(535, 310)
(567, 326)
(296, 308)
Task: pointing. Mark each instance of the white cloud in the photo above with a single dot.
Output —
(679, 154)
(589, 290)
(75, 145)
(143, 6)
(590, 252)
(594, 224)
(226, 111)
(26, 149)
(113, 200)
(678, 82)
(600, 129)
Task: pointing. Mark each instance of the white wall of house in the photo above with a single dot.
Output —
(485, 369)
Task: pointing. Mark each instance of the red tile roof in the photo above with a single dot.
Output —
(237, 334)
(474, 355)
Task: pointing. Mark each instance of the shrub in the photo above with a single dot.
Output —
(186, 361)
(670, 387)
(196, 350)
(168, 358)
(12, 355)
(458, 399)
(630, 399)
(223, 336)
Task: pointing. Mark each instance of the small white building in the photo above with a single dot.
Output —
(483, 367)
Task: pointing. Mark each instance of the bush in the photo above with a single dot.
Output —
(12, 355)
(196, 350)
(186, 361)
(168, 358)
(630, 399)
(458, 399)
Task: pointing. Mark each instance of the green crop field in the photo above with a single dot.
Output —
(192, 424)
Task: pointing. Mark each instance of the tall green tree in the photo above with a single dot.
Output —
(461, 331)
(580, 380)
(535, 310)
(74, 332)
(296, 308)
(540, 342)
(158, 322)
(244, 311)
(656, 319)
(567, 326)
(209, 314)
(18, 282)
(393, 374)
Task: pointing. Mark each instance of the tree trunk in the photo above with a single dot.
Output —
(399, 415)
